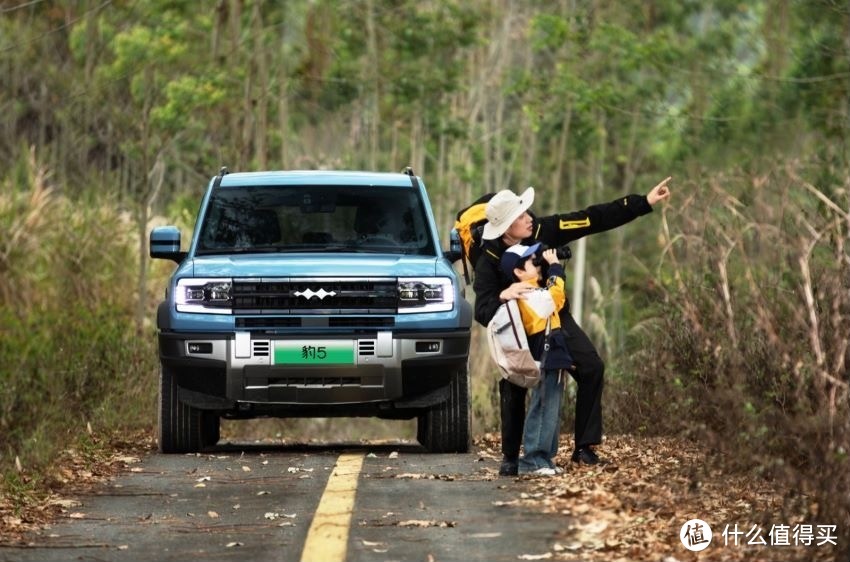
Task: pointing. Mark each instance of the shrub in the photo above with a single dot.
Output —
(748, 319)
(69, 351)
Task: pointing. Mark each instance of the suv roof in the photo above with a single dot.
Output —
(313, 177)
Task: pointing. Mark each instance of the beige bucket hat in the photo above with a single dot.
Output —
(503, 209)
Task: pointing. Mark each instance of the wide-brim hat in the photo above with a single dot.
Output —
(503, 209)
(516, 254)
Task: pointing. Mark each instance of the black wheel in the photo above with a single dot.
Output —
(445, 427)
(179, 424)
(210, 428)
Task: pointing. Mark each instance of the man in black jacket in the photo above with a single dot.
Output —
(510, 223)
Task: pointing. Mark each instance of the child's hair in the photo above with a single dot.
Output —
(520, 265)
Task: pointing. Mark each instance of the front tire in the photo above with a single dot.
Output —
(210, 428)
(179, 428)
(445, 427)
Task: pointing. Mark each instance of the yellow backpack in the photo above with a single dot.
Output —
(466, 234)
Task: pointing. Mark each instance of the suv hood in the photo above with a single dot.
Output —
(312, 265)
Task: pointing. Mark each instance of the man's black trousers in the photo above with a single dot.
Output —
(588, 376)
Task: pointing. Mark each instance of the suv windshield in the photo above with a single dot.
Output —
(315, 218)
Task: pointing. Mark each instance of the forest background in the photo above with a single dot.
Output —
(723, 317)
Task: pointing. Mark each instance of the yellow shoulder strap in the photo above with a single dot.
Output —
(472, 215)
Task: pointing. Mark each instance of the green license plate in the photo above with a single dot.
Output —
(319, 352)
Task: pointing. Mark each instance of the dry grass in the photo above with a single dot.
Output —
(750, 316)
(69, 353)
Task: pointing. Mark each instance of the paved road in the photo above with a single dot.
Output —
(253, 503)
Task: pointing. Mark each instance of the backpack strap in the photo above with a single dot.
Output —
(463, 259)
(546, 343)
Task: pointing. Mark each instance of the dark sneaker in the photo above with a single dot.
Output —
(585, 455)
(509, 467)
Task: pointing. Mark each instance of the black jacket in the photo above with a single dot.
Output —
(554, 231)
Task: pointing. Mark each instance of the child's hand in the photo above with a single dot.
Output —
(550, 256)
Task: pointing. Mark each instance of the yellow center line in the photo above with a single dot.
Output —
(327, 539)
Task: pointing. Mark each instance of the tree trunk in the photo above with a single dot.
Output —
(560, 156)
(237, 117)
(417, 136)
(261, 131)
(283, 99)
(219, 23)
(141, 200)
(374, 90)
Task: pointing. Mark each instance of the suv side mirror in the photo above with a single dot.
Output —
(454, 252)
(165, 244)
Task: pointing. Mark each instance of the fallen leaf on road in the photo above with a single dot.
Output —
(77, 515)
(535, 556)
(425, 523)
(501, 503)
(65, 503)
(127, 459)
(393, 455)
(212, 514)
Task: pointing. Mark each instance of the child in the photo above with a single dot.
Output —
(543, 420)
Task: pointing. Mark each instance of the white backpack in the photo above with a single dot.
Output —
(509, 346)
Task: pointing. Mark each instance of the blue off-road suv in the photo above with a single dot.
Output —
(312, 294)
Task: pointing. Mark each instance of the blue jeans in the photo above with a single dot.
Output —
(542, 423)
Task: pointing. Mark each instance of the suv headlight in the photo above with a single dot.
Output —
(425, 294)
(209, 296)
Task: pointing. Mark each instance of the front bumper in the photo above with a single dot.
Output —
(257, 374)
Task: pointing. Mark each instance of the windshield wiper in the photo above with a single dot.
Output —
(319, 249)
(251, 250)
(279, 249)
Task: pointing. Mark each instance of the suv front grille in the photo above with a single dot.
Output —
(272, 322)
(355, 321)
(315, 296)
